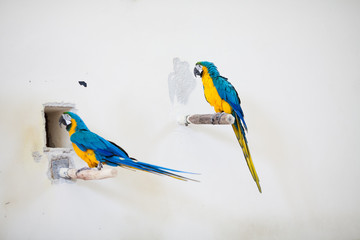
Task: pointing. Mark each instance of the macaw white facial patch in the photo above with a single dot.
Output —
(67, 118)
(199, 68)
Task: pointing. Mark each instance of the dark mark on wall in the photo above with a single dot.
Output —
(83, 83)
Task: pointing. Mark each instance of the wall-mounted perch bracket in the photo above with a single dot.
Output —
(61, 167)
(87, 174)
(214, 119)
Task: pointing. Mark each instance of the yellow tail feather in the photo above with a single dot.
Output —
(245, 149)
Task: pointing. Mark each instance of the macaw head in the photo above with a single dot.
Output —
(70, 119)
(209, 67)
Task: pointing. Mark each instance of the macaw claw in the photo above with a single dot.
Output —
(99, 166)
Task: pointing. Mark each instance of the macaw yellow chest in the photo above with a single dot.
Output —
(212, 95)
(88, 156)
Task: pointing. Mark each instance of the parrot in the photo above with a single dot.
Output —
(221, 94)
(96, 151)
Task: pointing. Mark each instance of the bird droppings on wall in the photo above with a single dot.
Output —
(83, 83)
(36, 156)
(181, 82)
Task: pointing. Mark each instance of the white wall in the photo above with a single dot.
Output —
(294, 64)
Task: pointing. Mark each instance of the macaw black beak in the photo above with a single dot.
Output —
(64, 120)
(198, 71)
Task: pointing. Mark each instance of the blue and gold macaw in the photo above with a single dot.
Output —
(223, 97)
(96, 151)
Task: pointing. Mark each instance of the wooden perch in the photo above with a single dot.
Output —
(87, 174)
(214, 119)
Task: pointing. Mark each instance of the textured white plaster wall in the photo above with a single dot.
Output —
(294, 64)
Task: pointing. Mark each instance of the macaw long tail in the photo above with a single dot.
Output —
(133, 164)
(240, 135)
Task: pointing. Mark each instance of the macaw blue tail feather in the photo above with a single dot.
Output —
(134, 164)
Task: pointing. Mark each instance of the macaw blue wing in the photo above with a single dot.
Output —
(227, 92)
(88, 140)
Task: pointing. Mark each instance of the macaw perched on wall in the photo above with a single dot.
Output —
(223, 97)
(96, 151)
